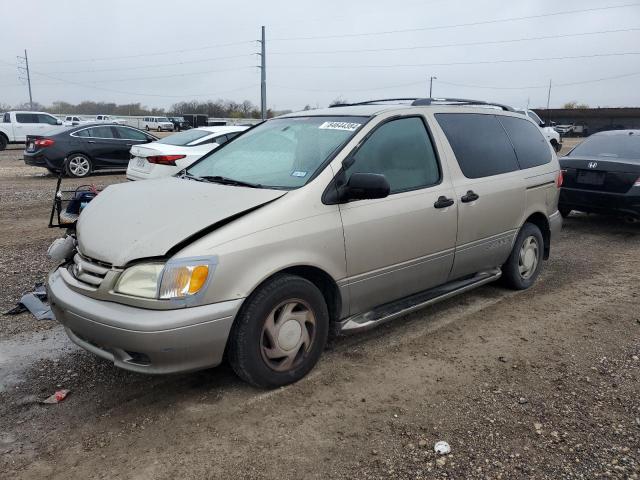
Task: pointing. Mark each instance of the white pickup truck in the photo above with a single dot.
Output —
(109, 119)
(16, 126)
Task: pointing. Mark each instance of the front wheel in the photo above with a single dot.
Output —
(525, 262)
(79, 165)
(280, 332)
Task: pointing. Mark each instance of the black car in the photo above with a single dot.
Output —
(602, 175)
(78, 151)
(179, 123)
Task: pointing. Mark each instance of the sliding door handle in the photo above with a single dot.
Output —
(443, 202)
(470, 196)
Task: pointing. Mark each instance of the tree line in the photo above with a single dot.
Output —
(212, 108)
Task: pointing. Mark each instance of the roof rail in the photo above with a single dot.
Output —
(372, 102)
(459, 101)
(429, 101)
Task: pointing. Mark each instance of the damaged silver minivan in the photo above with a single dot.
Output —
(318, 222)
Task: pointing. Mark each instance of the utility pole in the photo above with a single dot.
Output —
(25, 69)
(431, 79)
(548, 100)
(263, 77)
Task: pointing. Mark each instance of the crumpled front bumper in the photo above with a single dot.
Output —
(143, 340)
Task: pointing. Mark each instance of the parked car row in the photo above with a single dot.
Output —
(78, 151)
(330, 220)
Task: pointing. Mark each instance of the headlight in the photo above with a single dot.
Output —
(164, 281)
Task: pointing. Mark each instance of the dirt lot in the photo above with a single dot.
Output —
(536, 384)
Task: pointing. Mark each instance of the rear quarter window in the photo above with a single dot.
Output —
(479, 143)
(532, 149)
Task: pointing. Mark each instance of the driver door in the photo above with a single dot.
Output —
(404, 243)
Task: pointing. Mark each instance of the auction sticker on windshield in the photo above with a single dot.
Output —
(349, 126)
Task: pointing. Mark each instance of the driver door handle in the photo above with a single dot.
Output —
(91, 141)
(443, 202)
(470, 196)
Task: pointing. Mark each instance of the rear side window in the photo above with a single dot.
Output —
(401, 150)
(7, 118)
(220, 140)
(531, 147)
(479, 143)
(26, 118)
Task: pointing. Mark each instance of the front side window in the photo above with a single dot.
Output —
(609, 146)
(402, 151)
(48, 119)
(531, 147)
(479, 143)
(130, 134)
(280, 153)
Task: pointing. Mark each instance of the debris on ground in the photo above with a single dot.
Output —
(34, 302)
(57, 397)
(442, 448)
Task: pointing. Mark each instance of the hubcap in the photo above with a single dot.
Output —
(79, 166)
(529, 254)
(287, 335)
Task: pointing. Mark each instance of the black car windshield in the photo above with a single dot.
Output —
(185, 138)
(280, 153)
(625, 146)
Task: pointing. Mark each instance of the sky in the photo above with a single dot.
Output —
(164, 51)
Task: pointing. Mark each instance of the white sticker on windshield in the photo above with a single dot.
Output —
(298, 173)
(340, 126)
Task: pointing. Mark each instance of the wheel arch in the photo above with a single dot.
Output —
(321, 279)
(540, 220)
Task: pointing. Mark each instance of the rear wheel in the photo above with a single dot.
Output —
(280, 332)
(79, 165)
(525, 262)
(3, 142)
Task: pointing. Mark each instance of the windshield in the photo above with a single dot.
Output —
(162, 119)
(184, 138)
(613, 146)
(280, 153)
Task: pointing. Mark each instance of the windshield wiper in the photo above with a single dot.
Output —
(228, 181)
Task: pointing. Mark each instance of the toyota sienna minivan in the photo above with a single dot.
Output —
(314, 223)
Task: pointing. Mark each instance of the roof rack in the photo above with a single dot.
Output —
(430, 101)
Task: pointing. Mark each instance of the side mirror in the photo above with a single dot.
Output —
(59, 122)
(366, 186)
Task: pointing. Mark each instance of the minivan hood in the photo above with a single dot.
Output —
(129, 221)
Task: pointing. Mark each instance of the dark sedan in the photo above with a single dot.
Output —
(78, 151)
(179, 124)
(602, 175)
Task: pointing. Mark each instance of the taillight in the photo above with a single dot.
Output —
(637, 184)
(165, 159)
(560, 178)
(44, 142)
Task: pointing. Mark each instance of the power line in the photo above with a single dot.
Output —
(466, 44)
(154, 66)
(458, 25)
(151, 54)
(183, 74)
(483, 62)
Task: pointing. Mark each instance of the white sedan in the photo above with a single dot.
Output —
(176, 152)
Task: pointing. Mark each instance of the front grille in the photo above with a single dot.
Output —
(88, 271)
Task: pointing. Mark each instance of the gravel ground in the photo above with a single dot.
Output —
(536, 384)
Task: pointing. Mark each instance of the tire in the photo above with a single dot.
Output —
(79, 165)
(159, 129)
(274, 353)
(525, 261)
(556, 146)
(146, 127)
(3, 142)
(564, 211)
